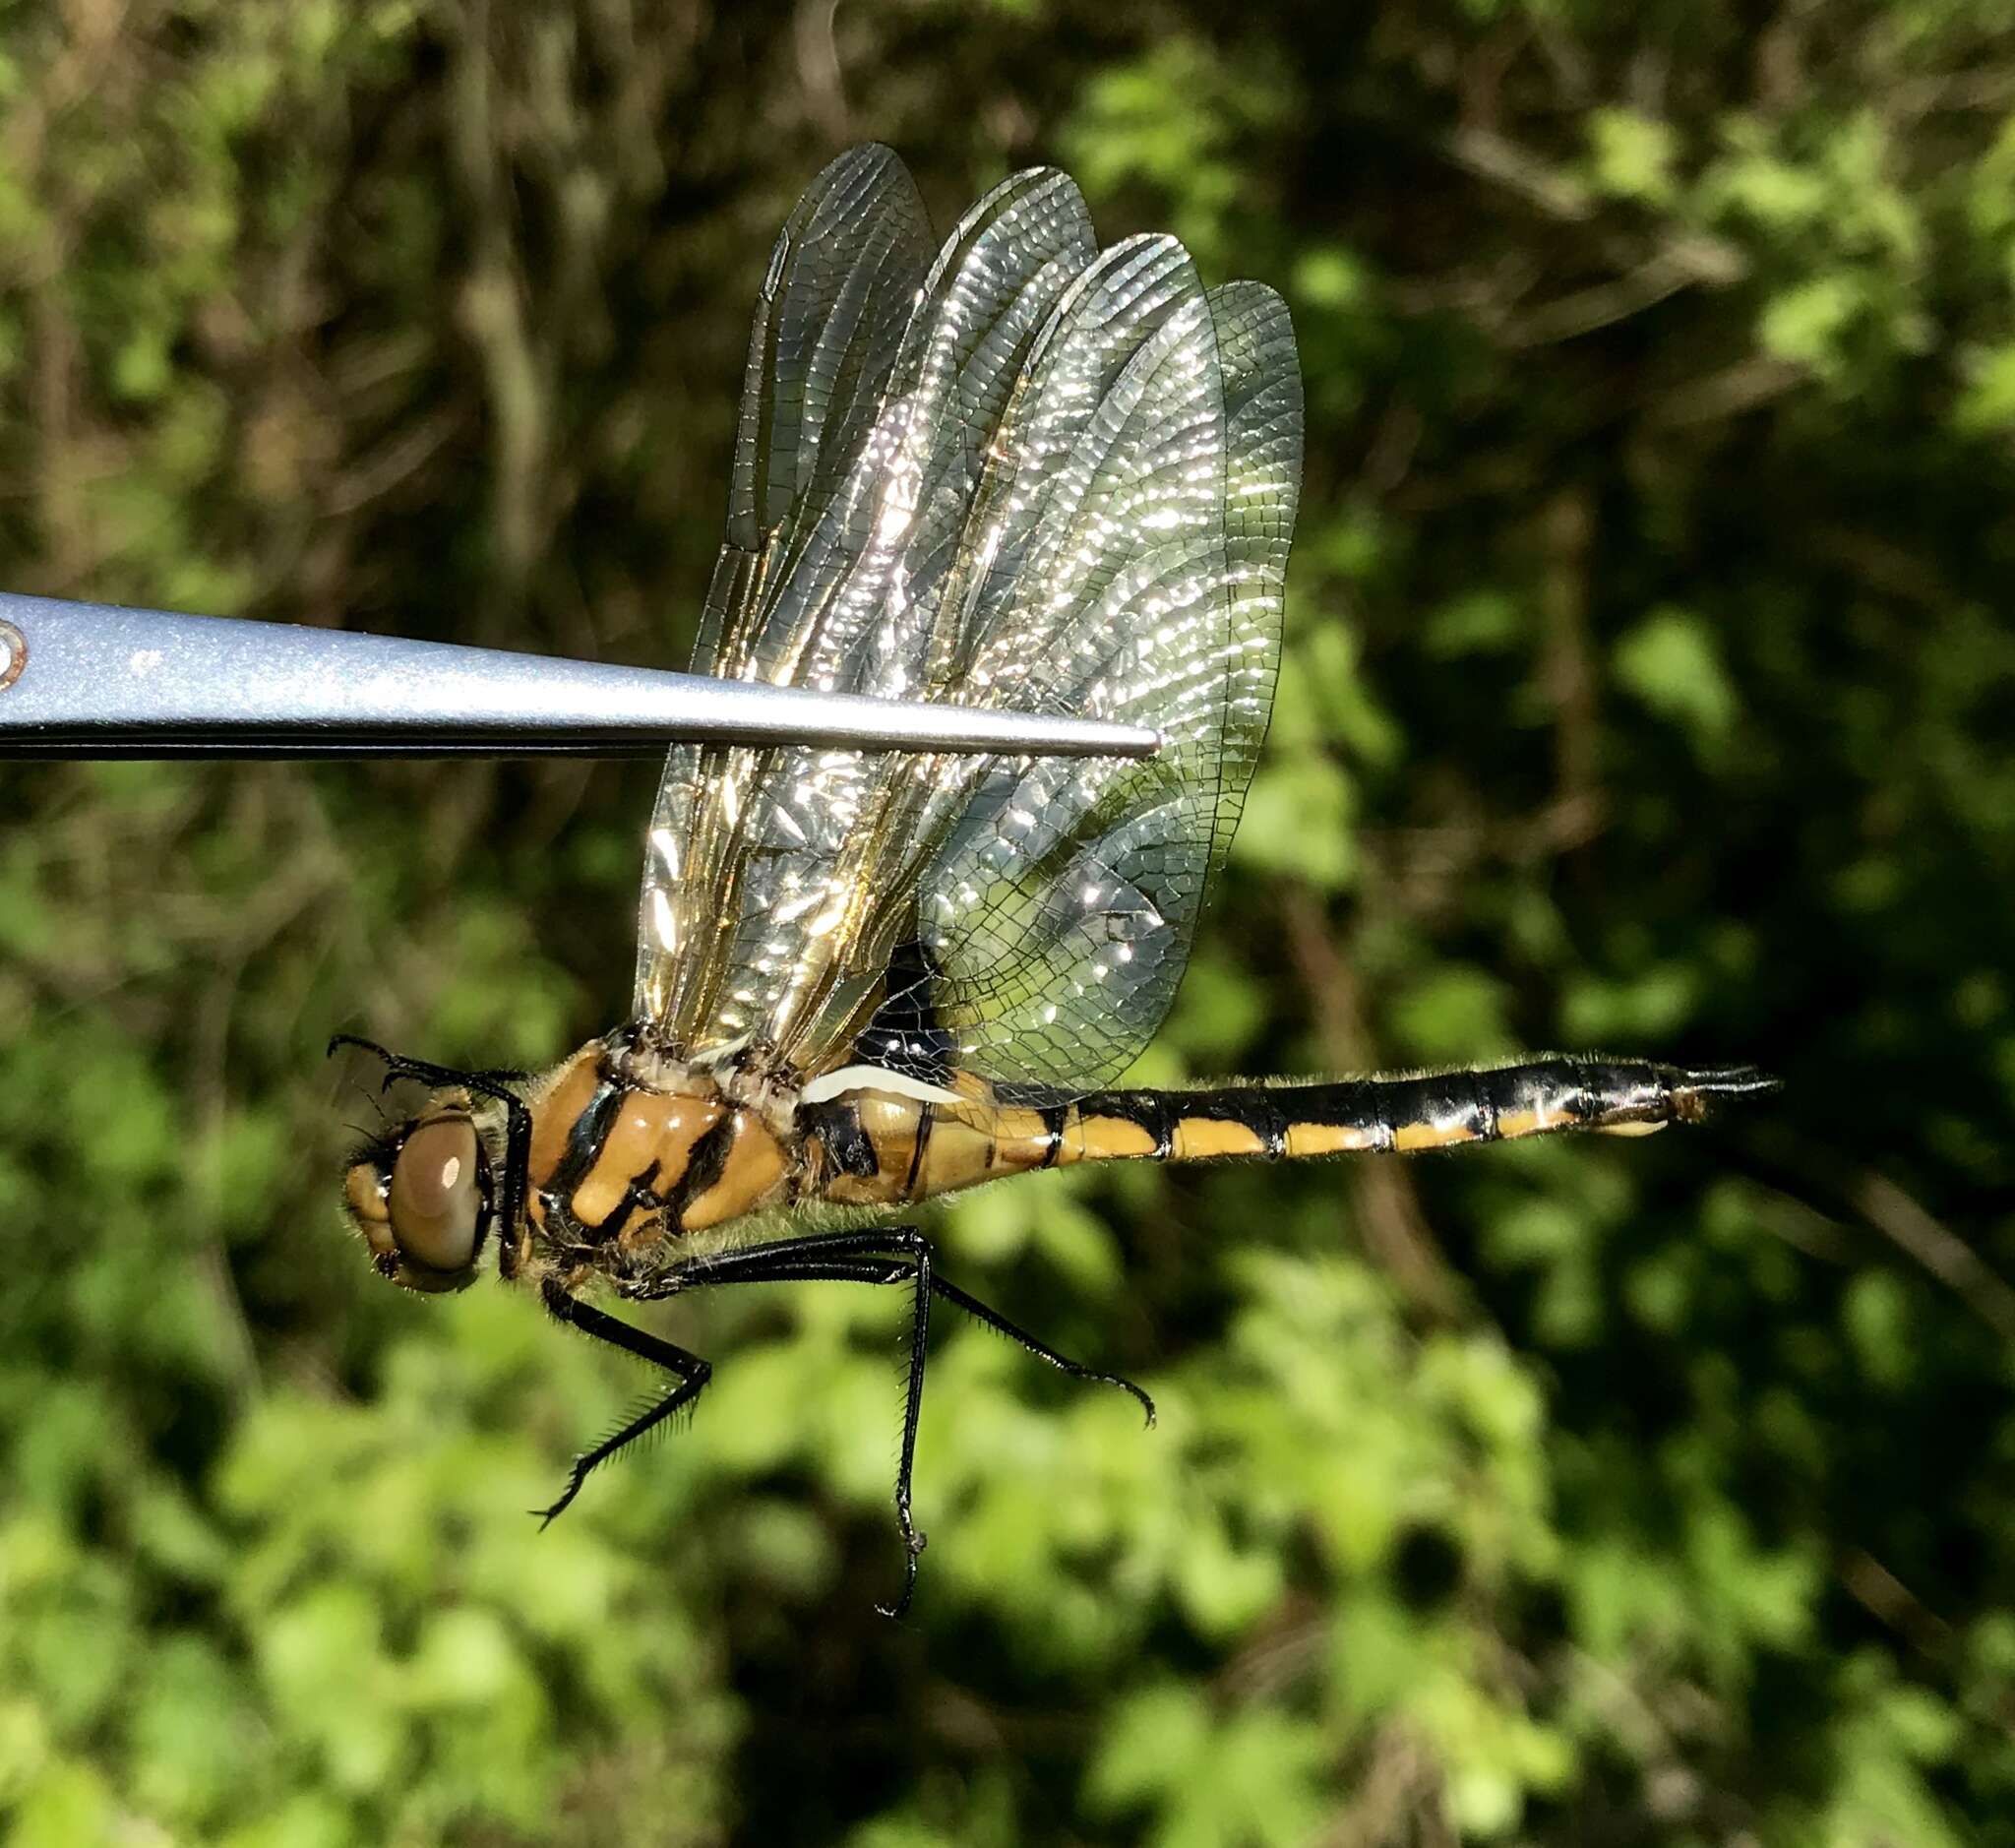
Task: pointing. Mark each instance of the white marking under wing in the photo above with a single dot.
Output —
(872, 1077)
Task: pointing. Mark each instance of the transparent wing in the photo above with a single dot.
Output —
(842, 280)
(830, 582)
(1056, 919)
(1075, 496)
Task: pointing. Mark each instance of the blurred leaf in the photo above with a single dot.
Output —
(1670, 663)
(1631, 156)
(1245, 1777)
(1458, 1014)
(1296, 822)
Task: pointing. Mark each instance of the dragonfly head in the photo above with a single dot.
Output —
(422, 1197)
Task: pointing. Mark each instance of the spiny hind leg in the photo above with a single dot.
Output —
(894, 1256)
(1021, 1336)
(882, 1255)
(689, 1370)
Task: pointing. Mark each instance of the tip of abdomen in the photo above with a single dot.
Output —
(1694, 1092)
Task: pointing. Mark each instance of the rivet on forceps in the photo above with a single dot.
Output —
(13, 654)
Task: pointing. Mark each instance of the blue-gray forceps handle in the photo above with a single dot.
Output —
(96, 680)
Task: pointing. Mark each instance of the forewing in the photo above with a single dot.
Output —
(836, 302)
(746, 885)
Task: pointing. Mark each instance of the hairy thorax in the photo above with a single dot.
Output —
(634, 1153)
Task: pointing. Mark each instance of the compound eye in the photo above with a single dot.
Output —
(436, 1193)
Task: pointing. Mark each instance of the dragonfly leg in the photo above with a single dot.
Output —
(912, 1416)
(1021, 1336)
(689, 1370)
(816, 1269)
(398, 1066)
(890, 1255)
(881, 1255)
(810, 1259)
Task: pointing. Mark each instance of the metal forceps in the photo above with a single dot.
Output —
(96, 680)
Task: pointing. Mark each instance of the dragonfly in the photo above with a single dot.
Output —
(1012, 471)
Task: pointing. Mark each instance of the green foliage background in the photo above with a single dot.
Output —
(1650, 685)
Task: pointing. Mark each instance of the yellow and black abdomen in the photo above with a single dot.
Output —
(1405, 1114)
(873, 1148)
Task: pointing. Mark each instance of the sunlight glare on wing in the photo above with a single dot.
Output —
(1029, 475)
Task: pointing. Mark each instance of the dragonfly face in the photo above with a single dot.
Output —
(1014, 471)
(422, 1197)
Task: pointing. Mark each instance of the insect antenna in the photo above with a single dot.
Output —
(374, 1098)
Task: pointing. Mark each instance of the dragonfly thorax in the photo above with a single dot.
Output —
(632, 1149)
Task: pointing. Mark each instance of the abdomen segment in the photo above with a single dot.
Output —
(872, 1149)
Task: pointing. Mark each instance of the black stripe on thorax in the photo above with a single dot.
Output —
(584, 1138)
(637, 1196)
(704, 1165)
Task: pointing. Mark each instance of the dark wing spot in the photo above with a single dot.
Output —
(904, 1034)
